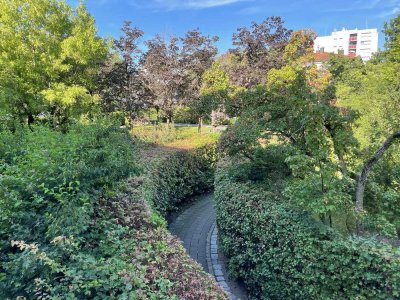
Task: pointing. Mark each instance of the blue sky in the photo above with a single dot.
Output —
(223, 17)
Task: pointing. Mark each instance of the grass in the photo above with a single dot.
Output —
(185, 138)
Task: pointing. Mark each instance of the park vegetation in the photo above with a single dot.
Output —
(308, 190)
(307, 183)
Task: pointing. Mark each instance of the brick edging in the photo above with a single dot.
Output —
(214, 265)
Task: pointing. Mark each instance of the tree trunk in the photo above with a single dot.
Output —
(362, 178)
(213, 120)
(158, 116)
(200, 125)
(31, 120)
(342, 164)
(169, 119)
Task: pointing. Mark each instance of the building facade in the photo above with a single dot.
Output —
(355, 42)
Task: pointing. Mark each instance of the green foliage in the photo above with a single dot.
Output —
(180, 175)
(50, 55)
(291, 112)
(392, 36)
(214, 91)
(185, 115)
(281, 252)
(375, 83)
(49, 185)
(70, 229)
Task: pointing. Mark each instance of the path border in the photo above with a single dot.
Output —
(214, 265)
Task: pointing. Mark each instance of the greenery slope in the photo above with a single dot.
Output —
(75, 223)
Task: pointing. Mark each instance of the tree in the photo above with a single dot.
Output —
(362, 178)
(173, 69)
(214, 92)
(164, 74)
(260, 49)
(392, 36)
(314, 134)
(49, 56)
(119, 82)
(300, 47)
(198, 54)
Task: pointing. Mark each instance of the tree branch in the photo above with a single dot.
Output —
(362, 178)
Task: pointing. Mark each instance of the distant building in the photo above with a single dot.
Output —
(355, 42)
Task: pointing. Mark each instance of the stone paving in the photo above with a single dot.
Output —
(197, 229)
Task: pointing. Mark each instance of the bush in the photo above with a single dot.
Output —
(185, 115)
(73, 226)
(180, 175)
(48, 186)
(284, 253)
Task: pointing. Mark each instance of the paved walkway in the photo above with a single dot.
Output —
(195, 226)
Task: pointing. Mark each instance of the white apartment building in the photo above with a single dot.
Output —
(355, 42)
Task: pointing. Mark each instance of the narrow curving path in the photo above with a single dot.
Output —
(196, 227)
(192, 227)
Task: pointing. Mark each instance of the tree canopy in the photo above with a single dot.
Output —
(49, 56)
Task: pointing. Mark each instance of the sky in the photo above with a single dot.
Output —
(223, 17)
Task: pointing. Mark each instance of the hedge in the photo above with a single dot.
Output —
(283, 253)
(178, 175)
(74, 222)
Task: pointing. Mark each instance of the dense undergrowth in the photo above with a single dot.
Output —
(77, 222)
(283, 252)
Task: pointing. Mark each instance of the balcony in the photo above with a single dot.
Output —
(352, 46)
(353, 39)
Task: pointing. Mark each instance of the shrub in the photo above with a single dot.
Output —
(73, 226)
(283, 253)
(48, 187)
(185, 115)
(180, 175)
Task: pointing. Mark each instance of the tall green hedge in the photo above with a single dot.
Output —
(283, 253)
(179, 175)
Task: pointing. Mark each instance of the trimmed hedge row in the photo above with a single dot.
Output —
(179, 175)
(283, 253)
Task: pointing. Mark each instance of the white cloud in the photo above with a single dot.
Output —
(389, 13)
(210, 3)
(183, 4)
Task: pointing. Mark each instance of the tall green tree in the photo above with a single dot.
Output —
(214, 92)
(295, 110)
(372, 90)
(392, 37)
(49, 54)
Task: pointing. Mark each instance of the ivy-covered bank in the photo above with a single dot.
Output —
(77, 222)
(283, 253)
